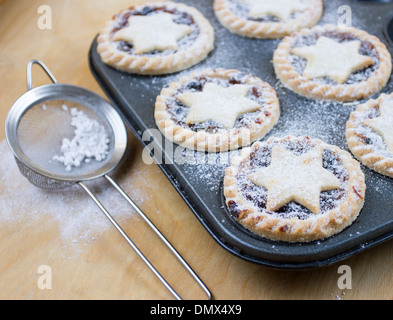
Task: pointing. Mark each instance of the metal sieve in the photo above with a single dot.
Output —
(35, 127)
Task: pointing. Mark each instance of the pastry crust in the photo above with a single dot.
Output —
(157, 64)
(263, 120)
(274, 226)
(376, 158)
(315, 89)
(267, 29)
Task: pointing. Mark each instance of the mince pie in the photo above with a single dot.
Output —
(369, 134)
(217, 110)
(267, 19)
(294, 189)
(335, 63)
(156, 38)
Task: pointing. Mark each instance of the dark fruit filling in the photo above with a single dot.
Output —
(179, 111)
(178, 17)
(367, 49)
(261, 158)
(371, 114)
(241, 10)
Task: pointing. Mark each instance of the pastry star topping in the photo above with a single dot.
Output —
(329, 58)
(219, 104)
(295, 178)
(383, 125)
(153, 32)
(281, 9)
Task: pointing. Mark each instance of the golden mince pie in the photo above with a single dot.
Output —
(334, 63)
(369, 134)
(217, 110)
(267, 19)
(294, 189)
(156, 38)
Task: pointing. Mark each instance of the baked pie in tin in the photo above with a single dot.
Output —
(334, 63)
(156, 38)
(216, 110)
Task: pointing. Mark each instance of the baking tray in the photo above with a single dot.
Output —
(201, 185)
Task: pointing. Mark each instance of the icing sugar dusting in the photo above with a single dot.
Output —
(262, 158)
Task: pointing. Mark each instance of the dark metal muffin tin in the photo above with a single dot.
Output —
(201, 186)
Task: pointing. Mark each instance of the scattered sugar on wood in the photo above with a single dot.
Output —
(79, 219)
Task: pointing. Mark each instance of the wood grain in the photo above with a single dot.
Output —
(107, 268)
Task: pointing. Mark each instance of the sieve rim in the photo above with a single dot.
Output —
(77, 94)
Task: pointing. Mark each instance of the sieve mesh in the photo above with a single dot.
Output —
(40, 134)
(40, 181)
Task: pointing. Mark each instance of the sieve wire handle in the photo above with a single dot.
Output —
(130, 242)
(136, 249)
(161, 236)
(29, 73)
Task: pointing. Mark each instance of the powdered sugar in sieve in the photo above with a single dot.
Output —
(90, 142)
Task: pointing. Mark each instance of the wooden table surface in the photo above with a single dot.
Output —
(107, 268)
